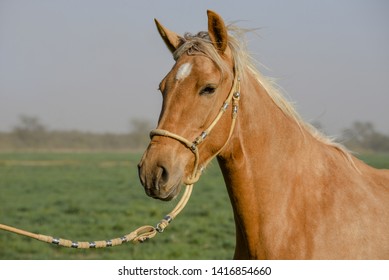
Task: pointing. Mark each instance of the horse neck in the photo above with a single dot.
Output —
(290, 188)
(266, 148)
(265, 136)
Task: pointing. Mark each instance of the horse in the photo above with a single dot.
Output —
(295, 193)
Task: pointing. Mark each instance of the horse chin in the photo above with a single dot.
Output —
(172, 195)
(166, 194)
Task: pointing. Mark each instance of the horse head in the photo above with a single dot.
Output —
(194, 93)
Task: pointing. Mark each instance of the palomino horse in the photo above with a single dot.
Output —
(295, 193)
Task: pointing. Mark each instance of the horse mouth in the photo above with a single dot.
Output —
(164, 193)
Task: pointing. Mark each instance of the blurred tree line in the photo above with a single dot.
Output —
(361, 137)
(364, 138)
(31, 134)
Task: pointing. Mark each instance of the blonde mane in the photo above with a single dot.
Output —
(201, 44)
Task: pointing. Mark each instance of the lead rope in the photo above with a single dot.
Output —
(146, 232)
(139, 235)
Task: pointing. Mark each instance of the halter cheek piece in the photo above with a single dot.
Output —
(234, 95)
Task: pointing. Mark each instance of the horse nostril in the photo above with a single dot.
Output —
(162, 176)
(141, 175)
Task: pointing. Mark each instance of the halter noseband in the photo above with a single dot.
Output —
(234, 95)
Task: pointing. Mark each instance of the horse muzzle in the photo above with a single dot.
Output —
(161, 173)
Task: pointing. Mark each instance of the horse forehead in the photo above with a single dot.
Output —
(184, 71)
(194, 65)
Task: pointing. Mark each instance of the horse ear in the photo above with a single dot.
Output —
(172, 40)
(217, 31)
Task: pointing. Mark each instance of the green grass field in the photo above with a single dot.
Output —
(97, 196)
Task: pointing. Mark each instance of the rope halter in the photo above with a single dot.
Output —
(146, 232)
(234, 95)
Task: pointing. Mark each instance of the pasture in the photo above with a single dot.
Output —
(97, 196)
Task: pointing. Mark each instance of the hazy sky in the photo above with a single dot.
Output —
(94, 65)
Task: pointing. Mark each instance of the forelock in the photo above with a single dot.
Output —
(200, 44)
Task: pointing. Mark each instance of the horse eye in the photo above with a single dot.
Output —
(208, 89)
